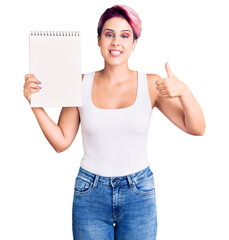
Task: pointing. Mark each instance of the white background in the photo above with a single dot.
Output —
(191, 172)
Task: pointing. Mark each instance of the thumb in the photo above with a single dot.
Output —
(168, 69)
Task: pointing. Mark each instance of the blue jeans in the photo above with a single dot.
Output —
(108, 208)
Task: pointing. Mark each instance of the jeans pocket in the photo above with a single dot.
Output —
(144, 186)
(82, 185)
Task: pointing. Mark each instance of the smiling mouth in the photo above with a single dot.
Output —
(115, 53)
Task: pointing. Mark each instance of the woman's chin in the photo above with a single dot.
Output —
(115, 61)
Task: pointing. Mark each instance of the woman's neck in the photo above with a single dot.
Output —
(116, 74)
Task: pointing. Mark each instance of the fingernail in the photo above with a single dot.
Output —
(40, 87)
(39, 82)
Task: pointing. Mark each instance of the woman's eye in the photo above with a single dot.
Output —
(124, 36)
(109, 35)
(112, 35)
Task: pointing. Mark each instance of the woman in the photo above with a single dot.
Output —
(114, 194)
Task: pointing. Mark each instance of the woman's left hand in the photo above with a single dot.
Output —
(171, 86)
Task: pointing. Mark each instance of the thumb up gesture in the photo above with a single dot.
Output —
(171, 86)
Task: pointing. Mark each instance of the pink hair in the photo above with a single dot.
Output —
(121, 11)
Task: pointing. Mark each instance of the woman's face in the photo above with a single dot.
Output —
(116, 41)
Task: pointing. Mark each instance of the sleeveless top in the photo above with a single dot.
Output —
(115, 140)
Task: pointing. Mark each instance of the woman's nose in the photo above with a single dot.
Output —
(115, 42)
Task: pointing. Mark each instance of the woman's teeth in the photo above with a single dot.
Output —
(115, 52)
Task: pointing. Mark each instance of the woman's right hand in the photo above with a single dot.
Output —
(31, 85)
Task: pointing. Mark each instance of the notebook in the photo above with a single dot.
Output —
(55, 60)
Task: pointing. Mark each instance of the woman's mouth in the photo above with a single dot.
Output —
(115, 53)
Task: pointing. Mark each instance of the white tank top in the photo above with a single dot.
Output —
(115, 140)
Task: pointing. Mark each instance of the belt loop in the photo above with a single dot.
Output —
(96, 181)
(131, 183)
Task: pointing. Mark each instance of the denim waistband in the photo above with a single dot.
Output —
(129, 179)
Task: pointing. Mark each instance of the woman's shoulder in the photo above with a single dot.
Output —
(153, 76)
(151, 79)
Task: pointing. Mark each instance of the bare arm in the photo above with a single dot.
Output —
(60, 135)
(50, 129)
(176, 101)
(184, 112)
(69, 122)
(193, 115)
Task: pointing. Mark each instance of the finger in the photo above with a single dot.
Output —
(168, 69)
(33, 85)
(28, 91)
(33, 79)
(30, 83)
(29, 75)
(161, 87)
(159, 81)
(163, 92)
(32, 90)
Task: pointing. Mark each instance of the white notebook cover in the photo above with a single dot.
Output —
(55, 60)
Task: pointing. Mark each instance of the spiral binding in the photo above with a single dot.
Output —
(55, 33)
